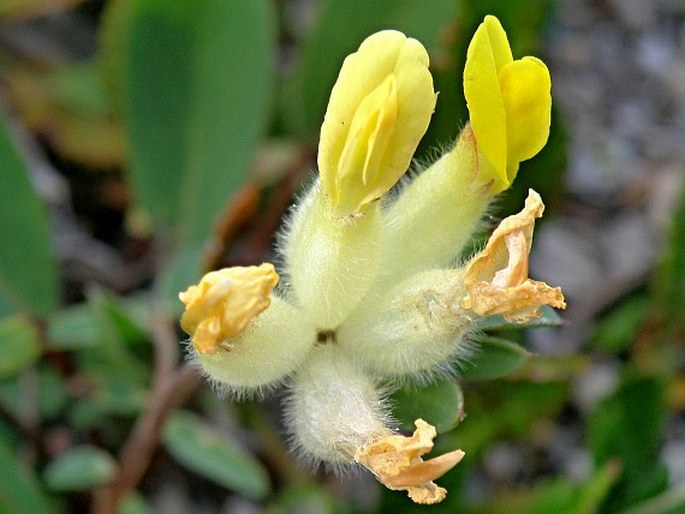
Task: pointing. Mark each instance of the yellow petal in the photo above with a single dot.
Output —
(224, 301)
(526, 89)
(509, 104)
(378, 111)
(496, 279)
(487, 54)
(396, 462)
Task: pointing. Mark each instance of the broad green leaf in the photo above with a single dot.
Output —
(340, 28)
(198, 85)
(216, 457)
(20, 491)
(549, 318)
(79, 469)
(671, 501)
(28, 274)
(440, 403)
(493, 357)
(19, 345)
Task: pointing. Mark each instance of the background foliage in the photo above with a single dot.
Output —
(169, 137)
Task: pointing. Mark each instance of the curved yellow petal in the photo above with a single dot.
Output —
(487, 53)
(509, 104)
(526, 90)
(378, 111)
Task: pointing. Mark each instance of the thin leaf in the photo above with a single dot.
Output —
(215, 457)
(494, 357)
(28, 274)
(80, 469)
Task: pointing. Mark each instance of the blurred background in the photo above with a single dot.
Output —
(143, 142)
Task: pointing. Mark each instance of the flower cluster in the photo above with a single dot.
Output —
(374, 292)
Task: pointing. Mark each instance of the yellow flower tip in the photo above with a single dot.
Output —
(509, 103)
(378, 111)
(396, 462)
(222, 304)
(496, 279)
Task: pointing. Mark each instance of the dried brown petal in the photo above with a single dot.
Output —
(396, 462)
(224, 301)
(496, 279)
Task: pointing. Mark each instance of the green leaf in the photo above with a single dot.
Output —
(28, 273)
(73, 328)
(79, 469)
(52, 394)
(440, 403)
(494, 357)
(306, 499)
(134, 503)
(19, 345)
(216, 457)
(198, 84)
(628, 426)
(340, 28)
(20, 492)
(618, 329)
(549, 318)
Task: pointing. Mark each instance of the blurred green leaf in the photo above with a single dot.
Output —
(618, 328)
(493, 357)
(671, 501)
(198, 87)
(28, 274)
(506, 408)
(440, 403)
(670, 288)
(52, 393)
(73, 328)
(548, 318)
(19, 345)
(216, 457)
(20, 492)
(628, 426)
(79, 469)
(134, 503)
(340, 28)
(308, 499)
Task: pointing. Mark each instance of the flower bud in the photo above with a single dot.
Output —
(417, 328)
(509, 103)
(271, 347)
(378, 111)
(334, 408)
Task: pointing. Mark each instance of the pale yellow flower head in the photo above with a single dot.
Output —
(224, 301)
(509, 103)
(378, 111)
(496, 280)
(396, 462)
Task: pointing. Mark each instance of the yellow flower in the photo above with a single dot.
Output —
(396, 462)
(509, 103)
(224, 301)
(496, 280)
(378, 111)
